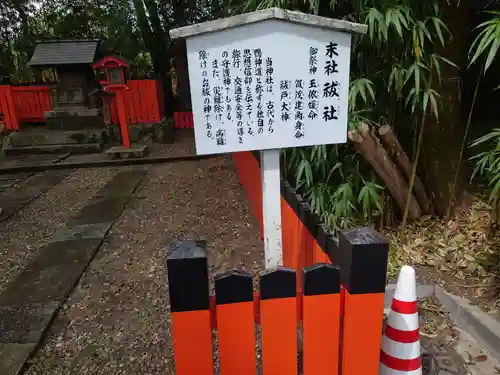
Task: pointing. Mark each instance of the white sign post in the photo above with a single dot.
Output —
(268, 80)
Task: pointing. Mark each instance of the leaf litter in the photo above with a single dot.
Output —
(460, 254)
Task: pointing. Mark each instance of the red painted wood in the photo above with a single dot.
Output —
(8, 108)
(31, 102)
(183, 120)
(122, 117)
(143, 102)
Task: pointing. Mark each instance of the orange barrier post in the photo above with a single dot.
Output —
(278, 316)
(189, 302)
(362, 256)
(235, 323)
(321, 319)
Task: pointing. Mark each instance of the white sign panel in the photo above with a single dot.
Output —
(269, 85)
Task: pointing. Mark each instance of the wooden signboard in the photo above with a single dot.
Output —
(268, 80)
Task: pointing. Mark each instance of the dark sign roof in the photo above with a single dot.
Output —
(64, 52)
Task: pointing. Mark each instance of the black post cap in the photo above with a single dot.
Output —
(188, 276)
(321, 278)
(233, 287)
(277, 283)
(363, 255)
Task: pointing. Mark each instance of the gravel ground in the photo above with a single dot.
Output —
(30, 228)
(116, 320)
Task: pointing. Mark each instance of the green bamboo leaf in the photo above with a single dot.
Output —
(449, 62)
(434, 104)
(417, 79)
(409, 73)
(437, 66)
(479, 45)
(438, 23)
(392, 78)
(425, 101)
(493, 50)
(487, 137)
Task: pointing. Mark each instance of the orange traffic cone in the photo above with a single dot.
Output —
(400, 354)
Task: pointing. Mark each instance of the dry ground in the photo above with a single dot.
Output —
(116, 320)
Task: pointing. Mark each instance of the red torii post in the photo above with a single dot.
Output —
(119, 91)
(110, 72)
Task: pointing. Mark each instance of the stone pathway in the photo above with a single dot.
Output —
(11, 179)
(16, 197)
(30, 302)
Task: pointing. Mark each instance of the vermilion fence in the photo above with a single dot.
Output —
(31, 102)
(183, 120)
(8, 109)
(332, 326)
(361, 255)
(143, 104)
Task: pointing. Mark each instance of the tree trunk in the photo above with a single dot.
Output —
(443, 139)
(371, 149)
(182, 74)
(399, 156)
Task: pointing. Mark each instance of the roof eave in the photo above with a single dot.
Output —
(268, 14)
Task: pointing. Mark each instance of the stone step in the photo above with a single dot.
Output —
(80, 148)
(55, 137)
(75, 122)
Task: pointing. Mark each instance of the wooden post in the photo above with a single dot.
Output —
(189, 303)
(122, 117)
(362, 256)
(321, 319)
(235, 323)
(278, 315)
(271, 207)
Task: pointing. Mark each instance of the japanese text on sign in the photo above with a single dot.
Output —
(253, 97)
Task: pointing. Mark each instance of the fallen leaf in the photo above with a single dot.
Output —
(481, 358)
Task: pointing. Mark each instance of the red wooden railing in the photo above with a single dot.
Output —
(183, 120)
(8, 109)
(31, 102)
(143, 104)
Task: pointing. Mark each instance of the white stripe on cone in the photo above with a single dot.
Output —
(403, 322)
(406, 291)
(400, 350)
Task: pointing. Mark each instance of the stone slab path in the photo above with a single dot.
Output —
(29, 188)
(29, 303)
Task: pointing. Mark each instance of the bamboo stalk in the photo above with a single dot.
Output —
(412, 179)
(464, 142)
